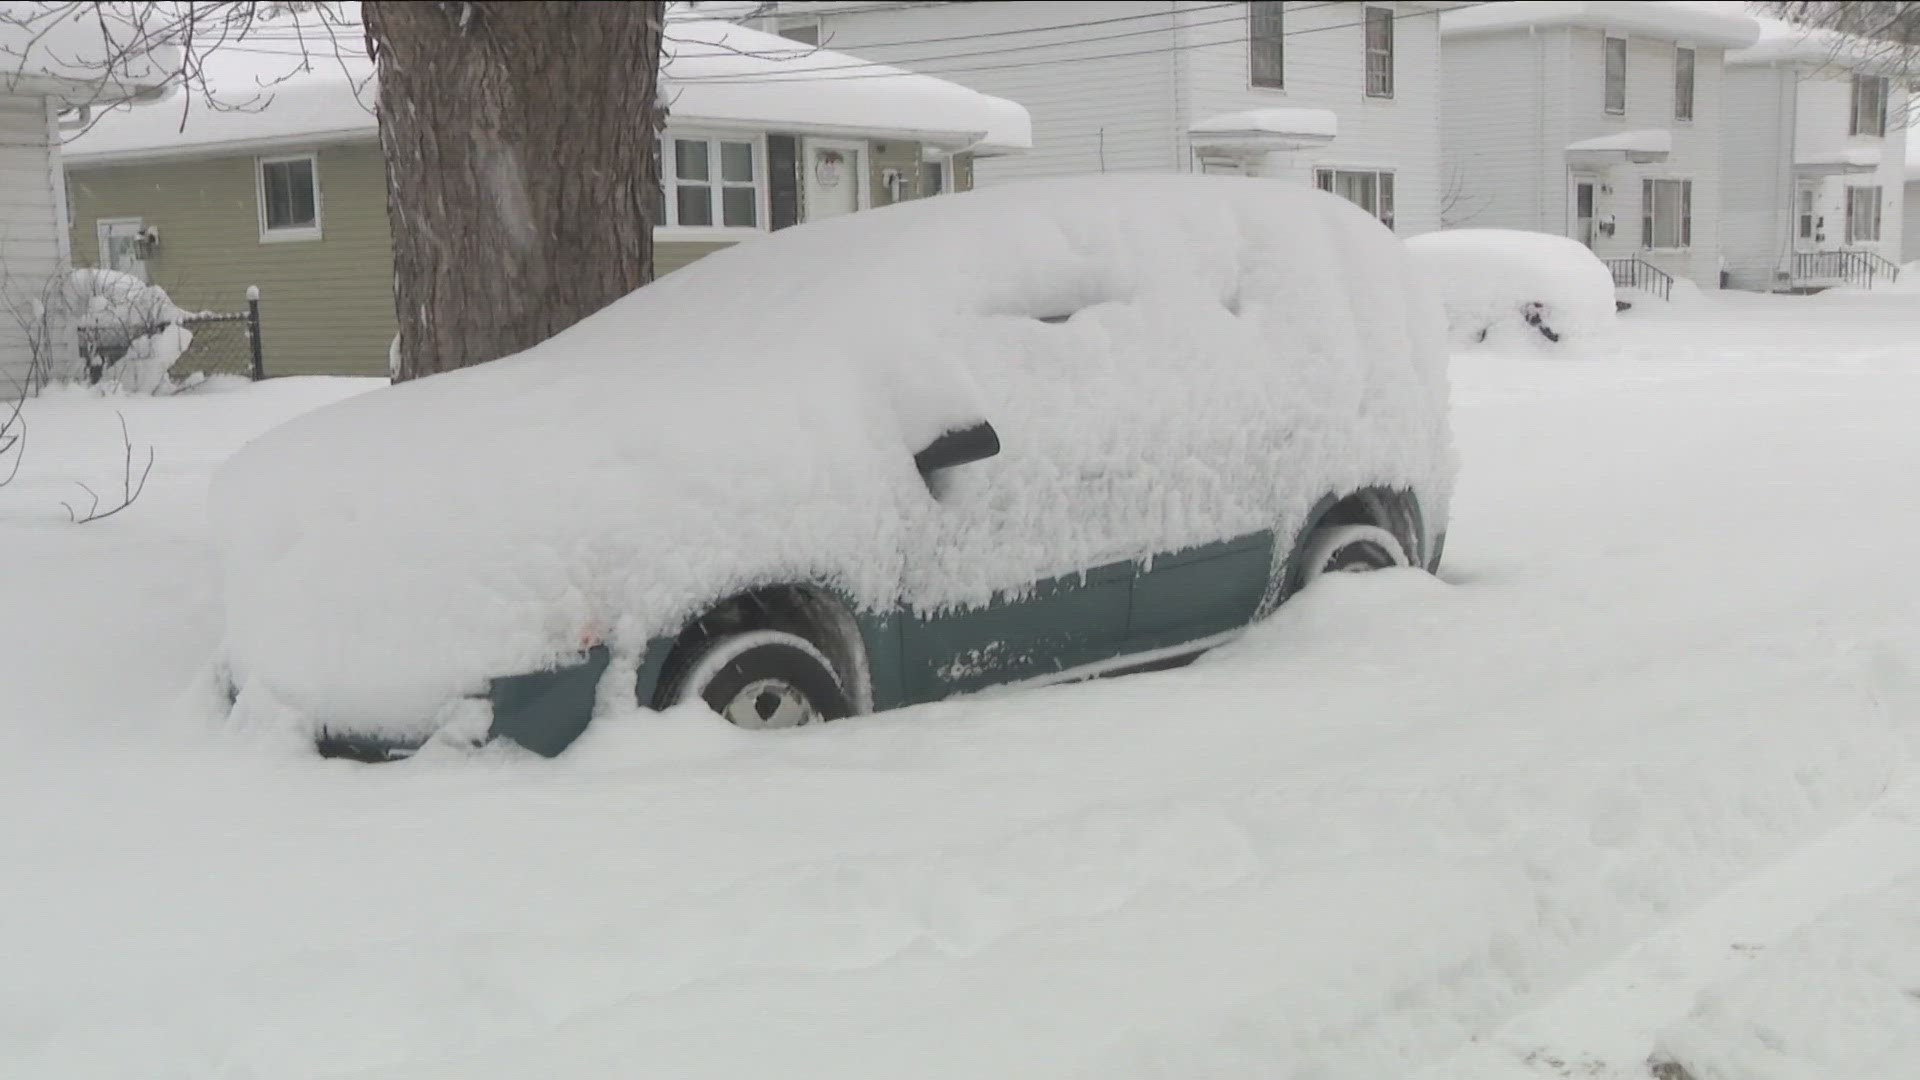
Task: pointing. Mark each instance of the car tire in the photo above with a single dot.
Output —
(764, 679)
(1348, 549)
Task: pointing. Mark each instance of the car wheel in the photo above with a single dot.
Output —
(764, 679)
(1352, 549)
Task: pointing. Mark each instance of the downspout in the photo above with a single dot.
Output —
(1539, 125)
(1176, 106)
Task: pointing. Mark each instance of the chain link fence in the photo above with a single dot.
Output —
(215, 343)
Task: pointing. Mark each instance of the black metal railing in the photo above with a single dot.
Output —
(1859, 268)
(1634, 272)
(223, 343)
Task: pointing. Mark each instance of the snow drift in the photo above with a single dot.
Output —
(1511, 290)
(1168, 361)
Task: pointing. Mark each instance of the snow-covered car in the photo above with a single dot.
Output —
(1026, 434)
(1516, 289)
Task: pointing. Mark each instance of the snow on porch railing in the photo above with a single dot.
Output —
(1634, 272)
(1859, 268)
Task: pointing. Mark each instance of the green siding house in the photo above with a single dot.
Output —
(288, 191)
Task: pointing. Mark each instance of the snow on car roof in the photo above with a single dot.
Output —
(713, 73)
(1723, 25)
(1233, 349)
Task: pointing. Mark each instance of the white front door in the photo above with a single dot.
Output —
(1808, 229)
(1583, 208)
(120, 245)
(835, 178)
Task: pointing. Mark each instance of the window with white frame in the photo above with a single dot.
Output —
(1369, 189)
(1666, 213)
(1869, 106)
(1379, 52)
(1683, 63)
(1267, 43)
(1863, 214)
(1616, 74)
(1806, 213)
(710, 182)
(288, 190)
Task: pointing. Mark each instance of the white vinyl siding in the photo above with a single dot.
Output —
(32, 235)
(1092, 111)
(1758, 194)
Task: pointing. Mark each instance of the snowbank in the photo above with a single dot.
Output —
(1840, 998)
(1510, 290)
(121, 315)
(1236, 349)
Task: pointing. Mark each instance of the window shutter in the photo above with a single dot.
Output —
(1646, 214)
(1323, 179)
(1686, 213)
(783, 180)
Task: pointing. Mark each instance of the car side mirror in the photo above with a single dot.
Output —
(962, 446)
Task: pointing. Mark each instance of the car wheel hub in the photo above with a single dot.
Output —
(770, 703)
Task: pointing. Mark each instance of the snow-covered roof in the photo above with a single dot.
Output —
(1784, 42)
(1648, 144)
(1263, 130)
(1846, 159)
(1725, 26)
(80, 55)
(714, 73)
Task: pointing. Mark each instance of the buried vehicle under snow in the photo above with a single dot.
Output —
(1025, 434)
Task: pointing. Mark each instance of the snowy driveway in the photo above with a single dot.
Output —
(1676, 642)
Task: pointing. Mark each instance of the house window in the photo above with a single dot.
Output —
(715, 182)
(1869, 106)
(1368, 189)
(1863, 214)
(1267, 43)
(1806, 213)
(289, 195)
(1616, 75)
(1379, 52)
(1666, 213)
(804, 33)
(1683, 84)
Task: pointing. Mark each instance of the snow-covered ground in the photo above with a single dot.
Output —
(1616, 787)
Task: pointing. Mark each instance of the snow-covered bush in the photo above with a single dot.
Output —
(137, 324)
(1169, 361)
(1510, 289)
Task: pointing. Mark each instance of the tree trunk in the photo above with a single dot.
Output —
(521, 174)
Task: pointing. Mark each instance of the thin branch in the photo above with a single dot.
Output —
(129, 491)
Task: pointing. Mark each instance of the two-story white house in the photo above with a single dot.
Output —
(1814, 170)
(1599, 121)
(1343, 95)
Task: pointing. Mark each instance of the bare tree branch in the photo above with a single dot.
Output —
(129, 490)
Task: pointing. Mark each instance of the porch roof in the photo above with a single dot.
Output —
(1647, 144)
(1261, 131)
(1851, 159)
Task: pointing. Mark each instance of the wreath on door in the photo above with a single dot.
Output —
(826, 167)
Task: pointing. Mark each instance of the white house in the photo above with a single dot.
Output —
(1599, 121)
(1910, 210)
(1814, 172)
(54, 71)
(1345, 95)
